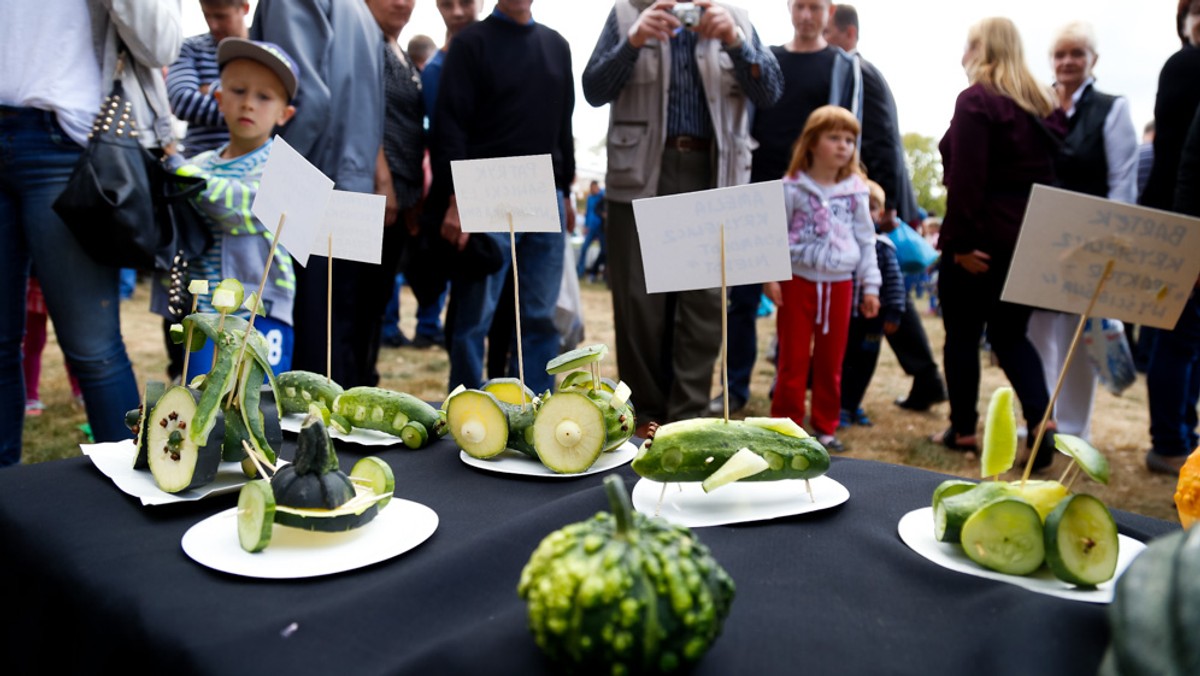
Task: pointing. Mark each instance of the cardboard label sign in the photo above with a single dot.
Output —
(1068, 238)
(681, 237)
(356, 221)
(489, 190)
(293, 186)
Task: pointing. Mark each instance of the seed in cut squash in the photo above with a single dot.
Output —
(576, 358)
(569, 432)
(477, 423)
(255, 515)
(376, 475)
(1005, 536)
(740, 465)
(999, 435)
(1081, 541)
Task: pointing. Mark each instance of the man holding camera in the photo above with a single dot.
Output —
(681, 78)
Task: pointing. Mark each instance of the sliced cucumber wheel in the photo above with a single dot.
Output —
(999, 435)
(377, 475)
(255, 515)
(569, 432)
(477, 423)
(1005, 536)
(1090, 460)
(576, 358)
(414, 434)
(740, 465)
(175, 459)
(950, 512)
(1081, 541)
(509, 391)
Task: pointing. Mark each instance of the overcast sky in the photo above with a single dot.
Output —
(917, 44)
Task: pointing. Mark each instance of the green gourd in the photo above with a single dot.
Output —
(623, 593)
(314, 480)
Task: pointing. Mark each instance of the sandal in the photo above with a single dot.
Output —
(951, 441)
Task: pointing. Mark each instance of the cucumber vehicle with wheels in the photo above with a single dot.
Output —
(691, 450)
(299, 389)
(396, 413)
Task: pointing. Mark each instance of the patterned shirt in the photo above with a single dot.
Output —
(196, 67)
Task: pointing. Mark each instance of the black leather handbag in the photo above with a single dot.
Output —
(122, 205)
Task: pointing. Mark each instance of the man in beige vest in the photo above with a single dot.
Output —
(681, 98)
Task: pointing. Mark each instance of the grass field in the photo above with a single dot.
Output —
(1120, 425)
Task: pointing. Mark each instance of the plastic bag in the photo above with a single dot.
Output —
(913, 252)
(1108, 353)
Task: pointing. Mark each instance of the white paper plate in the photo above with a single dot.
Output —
(115, 460)
(916, 530)
(512, 462)
(363, 437)
(686, 504)
(296, 553)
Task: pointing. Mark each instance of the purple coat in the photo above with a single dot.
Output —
(993, 153)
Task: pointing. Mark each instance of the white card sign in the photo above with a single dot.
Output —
(292, 186)
(681, 237)
(488, 191)
(1067, 240)
(356, 221)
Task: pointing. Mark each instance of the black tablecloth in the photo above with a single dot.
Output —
(95, 582)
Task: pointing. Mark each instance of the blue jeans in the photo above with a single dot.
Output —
(540, 270)
(429, 317)
(36, 159)
(1173, 383)
(743, 338)
(594, 234)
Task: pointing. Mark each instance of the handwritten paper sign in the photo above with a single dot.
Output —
(356, 221)
(1067, 239)
(293, 186)
(681, 237)
(489, 190)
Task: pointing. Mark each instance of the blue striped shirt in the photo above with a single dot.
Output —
(197, 66)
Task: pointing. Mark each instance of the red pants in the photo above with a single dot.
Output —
(812, 325)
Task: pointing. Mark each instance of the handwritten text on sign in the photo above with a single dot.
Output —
(356, 221)
(681, 237)
(490, 191)
(1068, 238)
(293, 186)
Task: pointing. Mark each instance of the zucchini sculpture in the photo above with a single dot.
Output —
(623, 593)
(313, 493)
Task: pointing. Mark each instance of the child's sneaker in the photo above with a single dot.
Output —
(34, 407)
(845, 419)
(861, 418)
(831, 443)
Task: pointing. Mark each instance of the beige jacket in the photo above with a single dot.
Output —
(637, 121)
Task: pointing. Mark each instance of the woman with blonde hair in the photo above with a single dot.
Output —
(1098, 157)
(1001, 141)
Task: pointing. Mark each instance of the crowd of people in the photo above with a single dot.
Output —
(697, 101)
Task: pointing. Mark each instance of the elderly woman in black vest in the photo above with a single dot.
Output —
(1098, 157)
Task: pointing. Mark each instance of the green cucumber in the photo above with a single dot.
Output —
(569, 432)
(375, 408)
(576, 358)
(255, 515)
(176, 460)
(952, 511)
(298, 389)
(1005, 536)
(691, 450)
(619, 421)
(1081, 541)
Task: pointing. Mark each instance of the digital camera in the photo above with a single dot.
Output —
(688, 13)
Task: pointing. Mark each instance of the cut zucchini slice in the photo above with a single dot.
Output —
(477, 423)
(569, 432)
(1081, 541)
(1090, 460)
(1005, 536)
(740, 465)
(784, 426)
(414, 434)
(255, 515)
(576, 358)
(377, 475)
(176, 461)
(999, 435)
(509, 391)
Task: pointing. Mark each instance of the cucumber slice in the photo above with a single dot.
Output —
(255, 515)
(477, 423)
(1081, 541)
(576, 358)
(176, 460)
(999, 435)
(620, 396)
(1090, 460)
(576, 380)
(1043, 495)
(740, 465)
(1005, 536)
(784, 426)
(339, 422)
(198, 287)
(228, 296)
(952, 511)
(414, 434)
(376, 475)
(509, 391)
(569, 432)
(949, 488)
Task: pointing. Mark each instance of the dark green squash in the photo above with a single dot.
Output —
(623, 593)
(314, 480)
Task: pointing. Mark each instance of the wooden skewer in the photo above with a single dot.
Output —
(1037, 442)
(724, 330)
(253, 455)
(187, 341)
(261, 285)
(512, 243)
(661, 496)
(808, 488)
(329, 312)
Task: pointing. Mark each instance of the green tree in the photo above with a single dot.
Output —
(925, 166)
